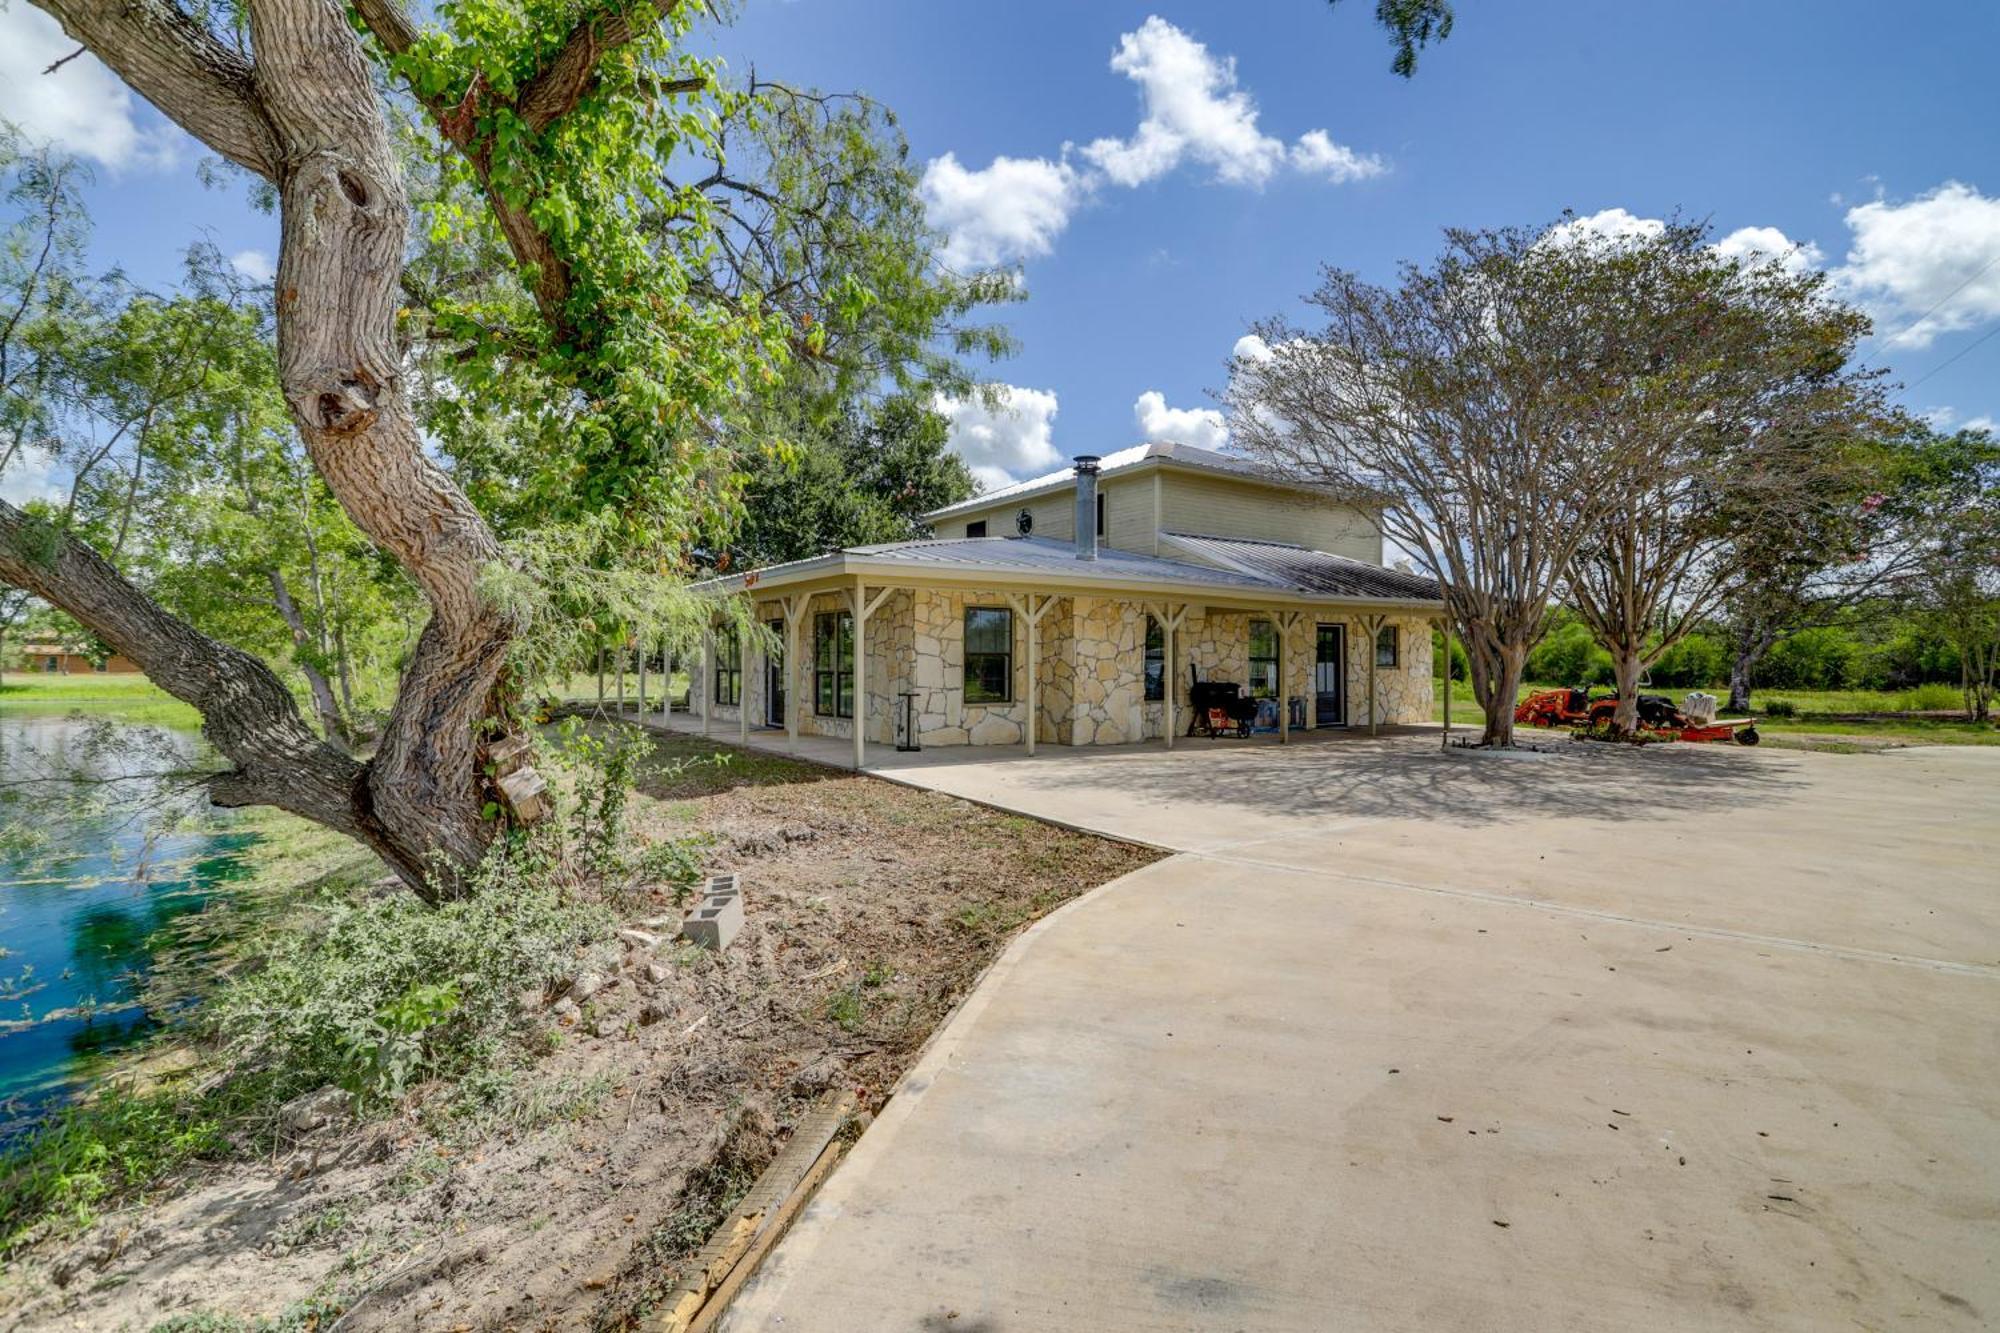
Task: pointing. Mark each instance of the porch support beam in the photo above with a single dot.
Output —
(1171, 619)
(1286, 623)
(1444, 624)
(1371, 625)
(707, 675)
(1032, 612)
(794, 607)
(863, 608)
(742, 690)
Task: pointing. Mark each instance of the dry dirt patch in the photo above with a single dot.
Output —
(870, 910)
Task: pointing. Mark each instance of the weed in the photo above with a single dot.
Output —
(844, 1008)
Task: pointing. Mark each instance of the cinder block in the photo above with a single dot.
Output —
(717, 918)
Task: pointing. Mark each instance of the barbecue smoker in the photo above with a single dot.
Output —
(1218, 706)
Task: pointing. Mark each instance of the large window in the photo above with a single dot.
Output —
(1100, 513)
(1263, 660)
(976, 529)
(989, 655)
(1388, 647)
(1156, 661)
(833, 664)
(728, 667)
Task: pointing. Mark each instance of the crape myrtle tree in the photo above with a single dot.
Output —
(1957, 593)
(1734, 388)
(1467, 405)
(564, 119)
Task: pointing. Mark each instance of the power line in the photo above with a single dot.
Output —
(1977, 274)
(1956, 355)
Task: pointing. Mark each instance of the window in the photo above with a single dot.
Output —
(1100, 513)
(1156, 661)
(976, 529)
(1263, 660)
(1388, 647)
(833, 664)
(989, 655)
(728, 667)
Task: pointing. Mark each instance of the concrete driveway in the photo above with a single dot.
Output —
(1686, 1037)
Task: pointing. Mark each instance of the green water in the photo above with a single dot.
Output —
(90, 882)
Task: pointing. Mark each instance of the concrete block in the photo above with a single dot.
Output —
(718, 917)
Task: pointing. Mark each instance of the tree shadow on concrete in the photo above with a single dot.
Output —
(1408, 777)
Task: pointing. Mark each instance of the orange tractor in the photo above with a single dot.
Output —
(1693, 720)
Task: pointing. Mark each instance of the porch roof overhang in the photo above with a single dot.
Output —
(1041, 565)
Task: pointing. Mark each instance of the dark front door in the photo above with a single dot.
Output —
(1330, 676)
(774, 679)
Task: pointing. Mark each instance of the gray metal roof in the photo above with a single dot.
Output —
(1231, 566)
(1184, 455)
(1308, 570)
(1043, 555)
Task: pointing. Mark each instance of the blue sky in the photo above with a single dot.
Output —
(1159, 206)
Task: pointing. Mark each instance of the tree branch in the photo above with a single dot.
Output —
(178, 65)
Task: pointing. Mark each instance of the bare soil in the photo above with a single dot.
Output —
(871, 909)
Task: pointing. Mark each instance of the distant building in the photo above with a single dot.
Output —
(49, 657)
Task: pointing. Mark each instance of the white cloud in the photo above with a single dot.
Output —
(1011, 210)
(1987, 424)
(1202, 427)
(1906, 258)
(1610, 224)
(81, 108)
(31, 476)
(1759, 244)
(254, 265)
(1006, 442)
(1192, 107)
(1317, 154)
(1250, 348)
(1192, 110)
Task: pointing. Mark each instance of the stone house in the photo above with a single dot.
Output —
(1077, 608)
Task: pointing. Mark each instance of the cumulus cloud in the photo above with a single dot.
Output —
(1011, 210)
(30, 476)
(1250, 348)
(1004, 442)
(1755, 245)
(1941, 249)
(254, 265)
(1191, 111)
(1202, 427)
(1317, 154)
(81, 108)
(1611, 224)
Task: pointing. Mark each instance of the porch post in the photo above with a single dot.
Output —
(666, 679)
(1034, 684)
(795, 606)
(860, 604)
(742, 691)
(621, 678)
(1371, 625)
(1446, 621)
(1279, 627)
(1170, 620)
(708, 675)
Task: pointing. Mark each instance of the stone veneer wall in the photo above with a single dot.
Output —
(1091, 670)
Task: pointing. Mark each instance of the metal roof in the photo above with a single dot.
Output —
(1308, 570)
(1184, 455)
(1228, 565)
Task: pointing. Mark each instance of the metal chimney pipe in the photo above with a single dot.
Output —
(1086, 506)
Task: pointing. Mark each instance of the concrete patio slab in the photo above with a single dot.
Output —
(1674, 1038)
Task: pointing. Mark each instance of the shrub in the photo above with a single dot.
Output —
(1812, 659)
(1932, 698)
(384, 992)
(1568, 655)
(1692, 663)
(1461, 665)
(1778, 708)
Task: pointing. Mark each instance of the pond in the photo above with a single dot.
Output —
(88, 882)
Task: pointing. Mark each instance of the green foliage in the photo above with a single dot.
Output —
(1461, 665)
(1812, 659)
(1569, 655)
(1693, 663)
(381, 993)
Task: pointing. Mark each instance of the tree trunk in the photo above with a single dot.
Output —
(1626, 668)
(1752, 643)
(308, 117)
(330, 720)
(1496, 682)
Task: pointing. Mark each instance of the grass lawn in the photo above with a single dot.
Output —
(132, 698)
(1819, 713)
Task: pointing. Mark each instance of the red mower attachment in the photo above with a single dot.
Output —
(1693, 720)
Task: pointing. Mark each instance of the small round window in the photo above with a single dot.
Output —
(1024, 522)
